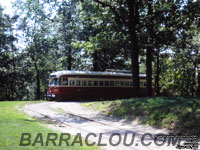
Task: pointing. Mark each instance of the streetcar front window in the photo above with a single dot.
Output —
(53, 82)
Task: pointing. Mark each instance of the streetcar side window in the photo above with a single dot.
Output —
(90, 83)
(117, 83)
(111, 83)
(72, 82)
(141, 83)
(126, 83)
(101, 83)
(121, 83)
(107, 83)
(84, 82)
(64, 81)
(78, 82)
(95, 83)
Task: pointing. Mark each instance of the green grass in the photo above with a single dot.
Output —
(179, 114)
(14, 122)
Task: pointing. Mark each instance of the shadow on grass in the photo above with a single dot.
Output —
(180, 115)
(28, 120)
(85, 99)
(43, 120)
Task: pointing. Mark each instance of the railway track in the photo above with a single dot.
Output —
(93, 120)
(102, 127)
(79, 128)
(82, 117)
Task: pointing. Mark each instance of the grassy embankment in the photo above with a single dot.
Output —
(179, 114)
(14, 122)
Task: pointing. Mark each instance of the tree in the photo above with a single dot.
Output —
(100, 39)
(126, 13)
(67, 18)
(12, 74)
(41, 48)
(104, 34)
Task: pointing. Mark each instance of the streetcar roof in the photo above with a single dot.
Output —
(57, 74)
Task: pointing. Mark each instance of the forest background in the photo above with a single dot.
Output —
(159, 38)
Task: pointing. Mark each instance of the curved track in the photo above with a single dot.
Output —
(72, 118)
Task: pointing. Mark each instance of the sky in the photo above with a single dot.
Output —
(6, 4)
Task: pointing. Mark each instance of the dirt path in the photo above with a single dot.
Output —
(62, 112)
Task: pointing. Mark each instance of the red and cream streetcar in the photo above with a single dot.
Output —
(91, 84)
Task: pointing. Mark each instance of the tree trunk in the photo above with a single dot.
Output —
(157, 79)
(198, 72)
(149, 71)
(149, 51)
(193, 79)
(95, 61)
(13, 74)
(198, 76)
(37, 78)
(38, 82)
(38, 85)
(69, 59)
(133, 21)
(198, 91)
(67, 36)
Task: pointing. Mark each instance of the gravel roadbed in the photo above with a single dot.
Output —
(107, 126)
